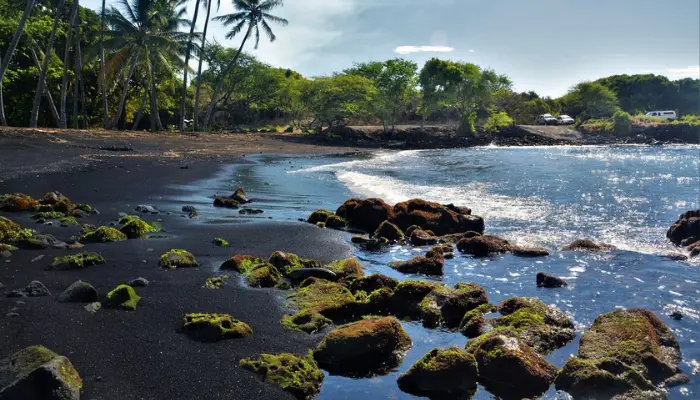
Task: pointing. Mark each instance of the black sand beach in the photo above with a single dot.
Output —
(140, 354)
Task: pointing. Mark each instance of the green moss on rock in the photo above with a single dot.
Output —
(11, 232)
(264, 276)
(288, 262)
(36, 372)
(215, 282)
(68, 221)
(319, 302)
(123, 296)
(214, 327)
(221, 242)
(18, 202)
(306, 321)
(336, 222)
(442, 373)
(178, 258)
(242, 263)
(298, 375)
(7, 248)
(103, 234)
(42, 217)
(134, 227)
(472, 323)
(363, 348)
(77, 261)
(348, 268)
(389, 231)
(319, 216)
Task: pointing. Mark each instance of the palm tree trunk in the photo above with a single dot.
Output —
(5, 63)
(199, 71)
(220, 84)
(66, 62)
(3, 121)
(45, 66)
(127, 81)
(154, 99)
(79, 68)
(187, 60)
(139, 113)
(76, 79)
(102, 79)
(47, 92)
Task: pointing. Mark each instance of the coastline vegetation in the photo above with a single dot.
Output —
(132, 75)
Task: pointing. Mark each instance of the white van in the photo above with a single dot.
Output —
(669, 115)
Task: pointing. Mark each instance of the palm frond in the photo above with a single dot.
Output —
(257, 35)
(268, 5)
(236, 30)
(275, 19)
(230, 19)
(268, 31)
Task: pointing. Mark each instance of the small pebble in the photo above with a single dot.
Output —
(20, 303)
(37, 258)
(98, 378)
(11, 314)
(144, 261)
(185, 167)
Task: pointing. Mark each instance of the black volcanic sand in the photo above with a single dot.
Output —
(140, 354)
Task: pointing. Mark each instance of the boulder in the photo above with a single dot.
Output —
(242, 263)
(369, 284)
(10, 231)
(411, 229)
(363, 348)
(300, 274)
(18, 202)
(498, 356)
(419, 237)
(34, 289)
(214, 327)
(435, 217)
(264, 276)
(135, 227)
(39, 242)
(36, 373)
(389, 231)
(319, 303)
(432, 266)
(79, 292)
(251, 211)
(447, 306)
(694, 249)
(240, 196)
(483, 245)
(336, 222)
(588, 245)
(138, 282)
(369, 244)
(348, 268)
(146, 209)
(297, 375)
(686, 228)
(530, 251)
(225, 202)
(442, 373)
(178, 258)
(103, 234)
(288, 262)
(123, 297)
(473, 322)
(366, 214)
(77, 261)
(549, 281)
(319, 216)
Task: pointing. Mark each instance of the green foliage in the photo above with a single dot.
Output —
(622, 122)
(498, 121)
(590, 100)
(334, 100)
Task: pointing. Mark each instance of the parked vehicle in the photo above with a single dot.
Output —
(565, 120)
(669, 115)
(546, 119)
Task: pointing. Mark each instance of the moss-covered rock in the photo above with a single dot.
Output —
(18, 202)
(319, 216)
(306, 321)
(445, 306)
(483, 245)
(498, 356)
(336, 222)
(287, 262)
(588, 245)
(77, 261)
(442, 373)
(331, 300)
(366, 214)
(298, 375)
(123, 297)
(215, 282)
(431, 265)
(242, 263)
(637, 338)
(220, 242)
(135, 227)
(407, 297)
(38, 373)
(7, 248)
(11, 232)
(68, 222)
(542, 327)
(363, 348)
(369, 284)
(31, 240)
(389, 231)
(545, 280)
(473, 322)
(79, 292)
(103, 234)
(435, 217)
(214, 327)
(264, 276)
(42, 217)
(348, 268)
(240, 196)
(178, 258)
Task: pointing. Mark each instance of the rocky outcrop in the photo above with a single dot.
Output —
(484, 245)
(34, 289)
(624, 353)
(686, 232)
(363, 348)
(297, 375)
(442, 373)
(544, 280)
(79, 292)
(434, 217)
(588, 245)
(38, 373)
(432, 264)
(178, 258)
(226, 202)
(369, 284)
(498, 356)
(389, 231)
(214, 327)
(419, 237)
(347, 269)
(365, 214)
(446, 307)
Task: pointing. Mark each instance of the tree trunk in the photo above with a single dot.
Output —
(34, 119)
(76, 77)
(220, 84)
(5, 63)
(63, 124)
(102, 78)
(3, 121)
(139, 113)
(187, 60)
(127, 81)
(199, 71)
(79, 69)
(155, 120)
(47, 92)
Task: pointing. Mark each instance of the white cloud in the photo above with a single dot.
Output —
(691, 71)
(471, 51)
(423, 49)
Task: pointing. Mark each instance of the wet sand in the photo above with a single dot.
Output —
(140, 354)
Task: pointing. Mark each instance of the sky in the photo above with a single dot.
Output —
(542, 45)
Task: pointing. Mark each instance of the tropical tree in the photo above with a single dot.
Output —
(188, 50)
(147, 32)
(5, 61)
(253, 13)
(63, 122)
(337, 99)
(590, 100)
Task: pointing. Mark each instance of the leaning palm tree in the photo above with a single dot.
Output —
(253, 13)
(188, 50)
(207, 4)
(148, 33)
(5, 61)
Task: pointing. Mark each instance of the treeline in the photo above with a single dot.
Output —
(127, 68)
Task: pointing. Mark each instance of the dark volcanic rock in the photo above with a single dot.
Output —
(226, 202)
(138, 282)
(251, 211)
(442, 373)
(78, 292)
(240, 196)
(686, 228)
(34, 289)
(38, 373)
(549, 281)
(366, 214)
(321, 273)
(482, 246)
(419, 237)
(530, 251)
(588, 245)
(389, 231)
(432, 264)
(435, 217)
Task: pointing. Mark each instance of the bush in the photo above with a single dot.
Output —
(688, 119)
(498, 121)
(622, 122)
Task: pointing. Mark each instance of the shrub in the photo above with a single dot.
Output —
(622, 122)
(498, 121)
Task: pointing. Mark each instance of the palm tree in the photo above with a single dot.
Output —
(45, 66)
(254, 13)
(147, 32)
(186, 70)
(103, 80)
(201, 60)
(5, 61)
(63, 124)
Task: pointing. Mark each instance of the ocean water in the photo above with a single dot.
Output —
(540, 196)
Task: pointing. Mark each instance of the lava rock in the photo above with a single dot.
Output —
(549, 281)
(38, 373)
(79, 292)
(146, 209)
(138, 282)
